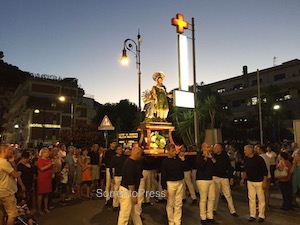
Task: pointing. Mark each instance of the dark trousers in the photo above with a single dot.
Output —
(272, 169)
(287, 194)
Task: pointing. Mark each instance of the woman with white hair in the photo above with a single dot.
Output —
(44, 179)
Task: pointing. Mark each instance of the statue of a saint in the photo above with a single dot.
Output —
(160, 97)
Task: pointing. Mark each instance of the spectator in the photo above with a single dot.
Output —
(8, 186)
(78, 179)
(116, 167)
(87, 176)
(285, 184)
(27, 176)
(261, 151)
(64, 175)
(108, 155)
(95, 164)
(70, 160)
(296, 177)
(44, 180)
(273, 157)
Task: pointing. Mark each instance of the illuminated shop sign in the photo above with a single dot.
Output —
(53, 126)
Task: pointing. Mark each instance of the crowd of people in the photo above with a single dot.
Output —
(128, 180)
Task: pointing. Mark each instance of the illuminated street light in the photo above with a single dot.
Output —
(63, 99)
(36, 111)
(276, 113)
(276, 107)
(128, 45)
(124, 58)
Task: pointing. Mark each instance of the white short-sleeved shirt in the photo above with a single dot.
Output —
(268, 163)
(64, 175)
(8, 184)
(272, 155)
(62, 154)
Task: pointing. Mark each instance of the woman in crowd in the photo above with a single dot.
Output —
(78, 179)
(27, 176)
(284, 183)
(44, 179)
(296, 177)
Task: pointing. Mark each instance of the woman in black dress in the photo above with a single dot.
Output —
(27, 175)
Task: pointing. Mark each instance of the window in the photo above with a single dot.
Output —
(279, 76)
(254, 82)
(254, 101)
(238, 87)
(238, 103)
(221, 90)
(282, 96)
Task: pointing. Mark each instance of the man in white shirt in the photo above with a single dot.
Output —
(261, 151)
(8, 186)
(273, 158)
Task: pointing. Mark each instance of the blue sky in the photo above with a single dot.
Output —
(84, 39)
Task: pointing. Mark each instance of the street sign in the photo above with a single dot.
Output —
(127, 139)
(106, 124)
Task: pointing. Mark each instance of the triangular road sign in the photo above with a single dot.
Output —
(106, 124)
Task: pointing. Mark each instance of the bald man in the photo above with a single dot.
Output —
(128, 192)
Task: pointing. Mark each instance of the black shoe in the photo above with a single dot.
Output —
(147, 203)
(212, 221)
(235, 214)
(203, 222)
(160, 201)
(251, 219)
(261, 220)
(194, 202)
(115, 209)
(108, 203)
(223, 198)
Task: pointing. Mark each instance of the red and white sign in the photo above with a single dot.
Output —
(106, 124)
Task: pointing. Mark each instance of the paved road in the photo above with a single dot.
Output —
(94, 212)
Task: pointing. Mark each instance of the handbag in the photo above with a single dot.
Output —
(281, 174)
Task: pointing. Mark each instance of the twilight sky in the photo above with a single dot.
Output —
(84, 39)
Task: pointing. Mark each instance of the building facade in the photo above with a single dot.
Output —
(279, 88)
(42, 108)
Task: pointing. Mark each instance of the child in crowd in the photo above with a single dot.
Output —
(24, 214)
(87, 176)
(63, 182)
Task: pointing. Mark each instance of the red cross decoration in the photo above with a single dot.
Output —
(179, 23)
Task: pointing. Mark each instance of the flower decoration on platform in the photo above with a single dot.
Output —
(157, 140)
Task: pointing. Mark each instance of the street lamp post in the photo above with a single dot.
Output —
(129, 45)
(276, 108)
(63, 99)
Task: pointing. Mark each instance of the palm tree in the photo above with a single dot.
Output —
(210, 105)
(186, 127)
